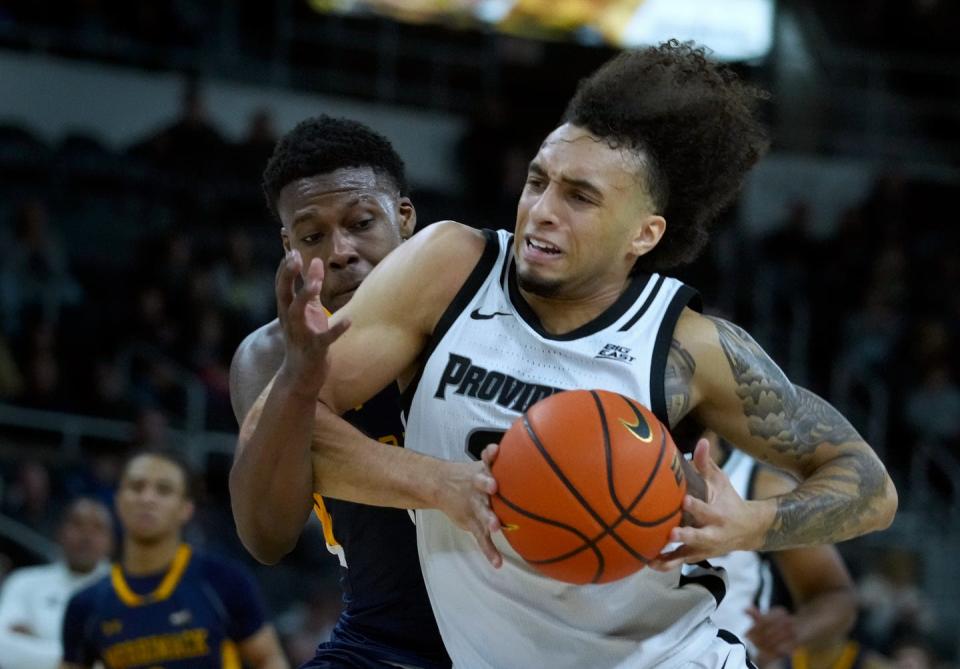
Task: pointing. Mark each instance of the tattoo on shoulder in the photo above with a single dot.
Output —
(793, 419)
(677, 379)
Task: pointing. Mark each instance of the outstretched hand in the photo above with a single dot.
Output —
(721, 523)
(774, 634)
(465, 498)
(306, 325)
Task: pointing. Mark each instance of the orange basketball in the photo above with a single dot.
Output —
(589, 486)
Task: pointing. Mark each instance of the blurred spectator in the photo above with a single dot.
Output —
(153, 324)
(191, 148)
(109, 396)
(892, 601)
(210, 360)
(11, 380)
(151, 430)
(43, 388)
(29, 499)
(933, 408)
(33, 599)
(243, 285)
(33, 271)
(871, 334)
(254, 150)
(914, 652)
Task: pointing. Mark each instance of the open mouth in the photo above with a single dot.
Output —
(542, 246)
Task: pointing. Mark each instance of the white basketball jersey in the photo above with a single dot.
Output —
(488, 362)
(749, 579)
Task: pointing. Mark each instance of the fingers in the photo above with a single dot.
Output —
(698, 512)
(312, 283)
(702, 460)
(489, 454)
(485, 541)
(334, 332)
(485, 483)
(285, 282)
(486, 521)
(671, 560)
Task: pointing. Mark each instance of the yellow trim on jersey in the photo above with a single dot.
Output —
(326, 520)
(801, 660)
(229, 656)
(169, 583)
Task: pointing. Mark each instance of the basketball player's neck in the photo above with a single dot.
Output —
(149, 557)
(559, 314)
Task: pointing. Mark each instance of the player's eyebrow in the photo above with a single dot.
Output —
(582, 184)
(310, 212)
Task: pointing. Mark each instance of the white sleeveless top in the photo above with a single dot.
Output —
(490, 360)
(750, 582)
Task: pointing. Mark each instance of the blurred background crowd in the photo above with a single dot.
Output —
(134, 258)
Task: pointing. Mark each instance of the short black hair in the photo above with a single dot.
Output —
(322, 144)
(174, 457)
(692, 120)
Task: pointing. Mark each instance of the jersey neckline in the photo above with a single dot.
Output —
(609, 316)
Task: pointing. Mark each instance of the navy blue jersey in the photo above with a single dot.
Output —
(190, 616)
(385, 600)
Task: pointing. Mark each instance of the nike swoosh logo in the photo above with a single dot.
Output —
(477, 316)
(639, 429)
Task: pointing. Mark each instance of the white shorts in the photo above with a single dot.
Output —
(727, 652)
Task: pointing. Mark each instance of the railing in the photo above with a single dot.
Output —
(30, 539)
(72, 429)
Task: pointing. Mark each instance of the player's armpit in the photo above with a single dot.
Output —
(262, 650)
(742, 394)
(678, 383)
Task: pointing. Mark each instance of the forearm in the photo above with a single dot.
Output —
(349, 465)
(271, 479)
(845, 497)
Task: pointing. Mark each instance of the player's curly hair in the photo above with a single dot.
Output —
(323, 144)
(692, 122)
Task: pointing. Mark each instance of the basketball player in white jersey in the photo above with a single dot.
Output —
(478, 326)
(823, 594)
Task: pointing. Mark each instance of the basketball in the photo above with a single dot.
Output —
(589, 486)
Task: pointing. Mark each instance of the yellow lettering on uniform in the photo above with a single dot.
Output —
(158, 648)
(389, 439)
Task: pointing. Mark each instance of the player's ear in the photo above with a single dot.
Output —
(186, 511)
(408, 218)
(285, 239)
(648, 234)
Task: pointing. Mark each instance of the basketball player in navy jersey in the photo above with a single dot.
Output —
(166, 604)
(480, 325)
(338, 190)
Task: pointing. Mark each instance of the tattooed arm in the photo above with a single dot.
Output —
(718, 375)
